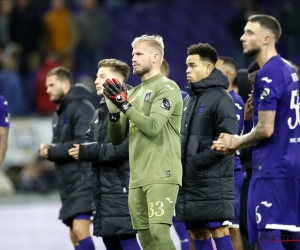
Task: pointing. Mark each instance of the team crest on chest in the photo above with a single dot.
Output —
(147, 97)
(201, 109)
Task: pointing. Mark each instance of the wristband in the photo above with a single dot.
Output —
(124, 106)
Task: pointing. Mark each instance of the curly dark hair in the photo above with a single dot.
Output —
(205, 51)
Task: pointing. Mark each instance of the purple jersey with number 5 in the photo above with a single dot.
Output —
(276, 89)
(4, 113)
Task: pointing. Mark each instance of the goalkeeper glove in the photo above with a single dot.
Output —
(116, 92)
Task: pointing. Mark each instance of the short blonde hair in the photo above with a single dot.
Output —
(154, 40)
(116, 65)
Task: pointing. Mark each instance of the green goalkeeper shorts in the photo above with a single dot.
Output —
(153, 203)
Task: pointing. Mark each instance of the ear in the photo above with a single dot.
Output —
(228, 74)
(209, 68)
(155, 58)
(266, 40)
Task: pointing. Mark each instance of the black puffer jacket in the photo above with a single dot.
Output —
(110, 167)
(70, 123)
(207, 183)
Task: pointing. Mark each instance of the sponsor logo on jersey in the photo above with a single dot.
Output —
(265, 94)
(166, 104)
(266, 79)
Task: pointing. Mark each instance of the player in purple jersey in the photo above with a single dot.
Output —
(179, 226)
(4, 126)
(273, 213)
(230, 68)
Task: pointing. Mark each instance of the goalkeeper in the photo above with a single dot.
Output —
(151, 115)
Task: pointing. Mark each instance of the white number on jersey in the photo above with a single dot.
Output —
(295, 102)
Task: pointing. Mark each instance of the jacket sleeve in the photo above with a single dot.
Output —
(226, 122)
(103, 152)
(80, 121)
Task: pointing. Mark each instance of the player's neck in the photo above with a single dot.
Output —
(229, 87)
(264, 56)
(150, 74)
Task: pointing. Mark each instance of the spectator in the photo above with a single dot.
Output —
(61, 33)
(29, 83)
(89, 20)
(25, 30)
(10, 82)
(6, 7)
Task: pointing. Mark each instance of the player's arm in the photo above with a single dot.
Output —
(263, 130)
(3, 143)
(103, 152)
(117, 130)
(4, 128)
(81, 121)
(226, 122)
(163, 105)
(270, 93)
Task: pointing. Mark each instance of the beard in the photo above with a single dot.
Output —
(58, 98)
(141, 71)
(252, 52)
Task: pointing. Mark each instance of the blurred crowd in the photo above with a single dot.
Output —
(36, 37)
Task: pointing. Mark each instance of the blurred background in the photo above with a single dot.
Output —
(38, 35)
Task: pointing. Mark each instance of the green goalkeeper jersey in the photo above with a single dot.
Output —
(153, 123)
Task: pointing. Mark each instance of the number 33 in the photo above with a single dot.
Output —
(156, 210)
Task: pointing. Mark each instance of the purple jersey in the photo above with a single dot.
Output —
(4, 113)
(239, 106)
(276, 88)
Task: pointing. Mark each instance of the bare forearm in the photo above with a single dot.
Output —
(251, 138)
(264, 129)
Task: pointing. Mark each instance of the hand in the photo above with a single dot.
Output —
(44, 150)
(117, 93)
(112, 108)
(74, 152)
(226, 143)
(248, 108)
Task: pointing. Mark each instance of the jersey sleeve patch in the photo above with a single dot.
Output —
(265, 94)
(166, 104)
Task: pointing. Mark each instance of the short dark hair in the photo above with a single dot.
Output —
(268, 22)
(230, 62)
(116, 65)
(254, 66)
(165, 66)
(205, 51)
(62, 74)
